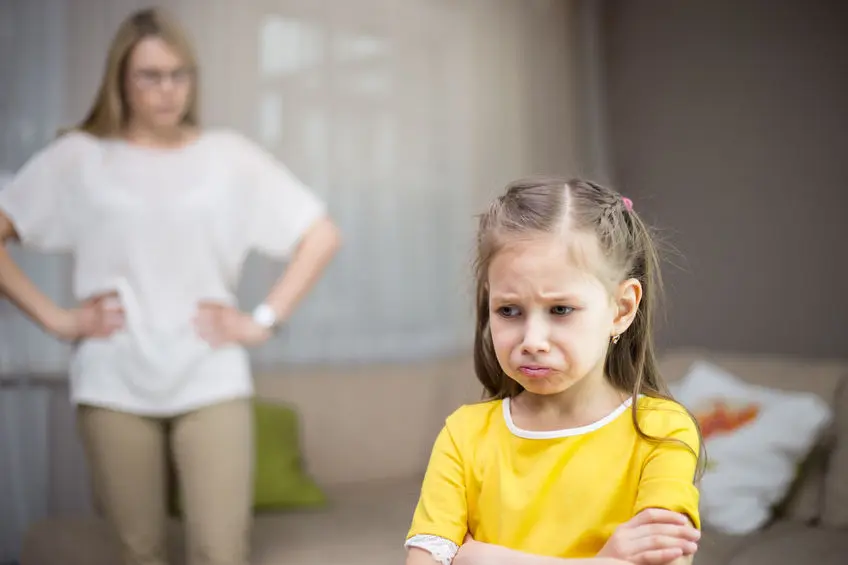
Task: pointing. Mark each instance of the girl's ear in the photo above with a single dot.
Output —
(627, 299)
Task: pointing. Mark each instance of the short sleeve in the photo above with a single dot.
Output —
(442, 508)
(668, 473)
(38, 199)
(280, 207)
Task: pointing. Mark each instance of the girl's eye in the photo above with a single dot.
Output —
(508, 311)
(561, 310)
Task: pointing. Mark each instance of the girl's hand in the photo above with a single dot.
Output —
(222, 324)
(98, 317)
(652, 537)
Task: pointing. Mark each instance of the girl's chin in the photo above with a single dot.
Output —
(549, 385)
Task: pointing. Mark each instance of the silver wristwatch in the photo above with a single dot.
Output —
(265, 316)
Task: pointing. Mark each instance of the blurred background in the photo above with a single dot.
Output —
(724, 121)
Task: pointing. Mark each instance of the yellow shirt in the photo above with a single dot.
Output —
(559, 493)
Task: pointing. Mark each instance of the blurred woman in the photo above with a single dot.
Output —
(159, 215)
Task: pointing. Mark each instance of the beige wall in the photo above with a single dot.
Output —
(728, 124)
(526, 112)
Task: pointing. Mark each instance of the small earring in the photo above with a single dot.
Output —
(615, 338)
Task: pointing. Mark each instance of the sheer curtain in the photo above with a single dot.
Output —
(405, 115)
(365, 110)
(31, 43)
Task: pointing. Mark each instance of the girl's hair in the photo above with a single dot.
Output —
(110, 111)
(548, 206)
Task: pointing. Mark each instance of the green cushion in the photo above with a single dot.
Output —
(280, 481)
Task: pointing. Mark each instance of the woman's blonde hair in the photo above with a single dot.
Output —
(110, 111)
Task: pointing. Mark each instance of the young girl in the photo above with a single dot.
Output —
(579, 455)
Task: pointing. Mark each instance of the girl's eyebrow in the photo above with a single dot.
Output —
(560, 297)
(552, 296)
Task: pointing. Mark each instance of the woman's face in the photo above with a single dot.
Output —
(157, 84)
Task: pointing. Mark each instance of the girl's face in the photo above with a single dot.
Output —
(157, 84)
(552, 318)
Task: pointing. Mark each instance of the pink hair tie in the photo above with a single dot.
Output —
(627, 203)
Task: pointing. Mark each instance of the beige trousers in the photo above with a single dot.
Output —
(212, 452)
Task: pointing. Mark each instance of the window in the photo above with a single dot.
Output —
(359, 111)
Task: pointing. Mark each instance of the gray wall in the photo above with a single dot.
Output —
(727, 125)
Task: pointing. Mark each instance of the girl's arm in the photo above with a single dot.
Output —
(496, 555)
(477, 553)
(653, 537)
(416, 556)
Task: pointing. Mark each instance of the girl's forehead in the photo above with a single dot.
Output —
(576, 251)
(549, 260)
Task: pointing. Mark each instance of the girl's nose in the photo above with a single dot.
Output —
(536, 336)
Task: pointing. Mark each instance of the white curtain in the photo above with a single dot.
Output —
(405, 115)
(32, 41)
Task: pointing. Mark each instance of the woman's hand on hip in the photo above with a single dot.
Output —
(98, 317)
(222, 324)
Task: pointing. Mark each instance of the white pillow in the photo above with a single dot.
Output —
(756, 438)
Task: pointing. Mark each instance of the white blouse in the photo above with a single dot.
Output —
(165, 228)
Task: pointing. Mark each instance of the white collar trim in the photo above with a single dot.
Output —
(568, 432)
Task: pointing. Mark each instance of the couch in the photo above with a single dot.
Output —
(809, 525)
(367, 433)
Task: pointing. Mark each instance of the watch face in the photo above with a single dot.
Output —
(264, 316)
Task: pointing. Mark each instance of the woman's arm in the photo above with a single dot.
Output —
(318, 245)
(286, 221)
(220, 324)
(93, 319)
(20, 290)
(37, 208)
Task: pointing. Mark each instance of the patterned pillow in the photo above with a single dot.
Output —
(755, 437)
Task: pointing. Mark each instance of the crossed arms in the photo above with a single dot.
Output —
(652, 537)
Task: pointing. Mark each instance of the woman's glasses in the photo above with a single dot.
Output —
(154, 78)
